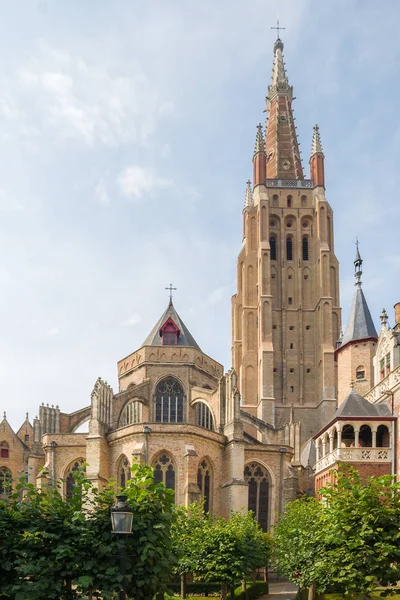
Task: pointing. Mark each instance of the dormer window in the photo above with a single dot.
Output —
(169, 333)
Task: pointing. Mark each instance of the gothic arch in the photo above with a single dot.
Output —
(260, 492)
(274, 288)
(169, 404)
(123, 471)
(332, 272)
(264, 224)
(204, 414)
(124, 416)
(253, 234)
(306, 288)
(165, 470)
(69, 480)
(326, 323)
(205, 481)
(250, 385)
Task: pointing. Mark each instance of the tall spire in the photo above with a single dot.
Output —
(360, 325)
(260, 144)
(281, 145)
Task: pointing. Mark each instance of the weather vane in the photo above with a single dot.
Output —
(277, 27)
(170, 289)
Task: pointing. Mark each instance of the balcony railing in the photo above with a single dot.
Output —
(386, 385)
(354, 455)
(290, 183)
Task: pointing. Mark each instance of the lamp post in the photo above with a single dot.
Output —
(122, 520)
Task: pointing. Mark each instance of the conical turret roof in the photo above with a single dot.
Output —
(360, 325)
(185, 338)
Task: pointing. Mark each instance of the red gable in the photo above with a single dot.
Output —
(169, 327)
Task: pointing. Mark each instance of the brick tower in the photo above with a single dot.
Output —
(285, 314)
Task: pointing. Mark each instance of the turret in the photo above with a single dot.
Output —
(259, 159)
(317, 171)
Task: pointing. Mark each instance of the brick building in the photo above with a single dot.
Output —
(241, 439)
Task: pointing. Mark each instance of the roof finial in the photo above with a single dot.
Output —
(260, 144)
(4, 415)
(316, 145)
(278, 43)
(248, 199)
(358, 264)
(171, 289)
(384, 318)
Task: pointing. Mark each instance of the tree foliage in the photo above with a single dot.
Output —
(347, 543)
(57, 549)
(220, 550)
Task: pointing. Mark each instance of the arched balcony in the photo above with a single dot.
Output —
(354, 442)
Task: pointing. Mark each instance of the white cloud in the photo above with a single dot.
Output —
(52, 331)
(135, 181)
(102, 192)
(133, 320)
(87, 100)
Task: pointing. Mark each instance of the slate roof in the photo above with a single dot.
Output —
(360, 325)
(185, 337)
(355, 405)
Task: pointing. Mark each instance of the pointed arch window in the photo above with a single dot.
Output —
(289, 248)
(124, 472)
(257, 478)
(169, 399)
(5, 481)
(164, 470)
(70, 482)
(204, 481)
(305, 247)
(204, 416)
(272, 245)
(133, 413)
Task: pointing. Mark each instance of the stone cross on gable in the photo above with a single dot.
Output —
(171, 289)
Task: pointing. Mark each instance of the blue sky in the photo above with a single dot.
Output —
(126, 137)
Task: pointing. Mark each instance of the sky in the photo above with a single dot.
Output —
(126, 136)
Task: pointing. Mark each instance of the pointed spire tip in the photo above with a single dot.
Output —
(316, 141)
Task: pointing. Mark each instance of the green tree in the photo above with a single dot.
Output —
(299, 542)
(361, 522)
(230, 549)
(60, 548)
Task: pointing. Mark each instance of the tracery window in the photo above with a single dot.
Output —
(124, 472)
(133, 413)
(169, 401)
(204, 416)
(204, 481)
(164, 470)
(257, 478)
(272, 245)
(5, 481)
(70, 481)
(4, 450)
(289, 248)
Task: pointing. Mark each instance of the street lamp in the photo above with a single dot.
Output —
(122, 520)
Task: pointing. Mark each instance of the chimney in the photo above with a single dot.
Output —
(397, 313)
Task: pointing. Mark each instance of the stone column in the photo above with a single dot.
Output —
(373, 437)
(324, 446)
(339, 443)
(331, 442)
(356, 438)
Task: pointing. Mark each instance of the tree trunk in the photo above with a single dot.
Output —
(183, 585)
(311, 591)
(244, 585)
(224, 591)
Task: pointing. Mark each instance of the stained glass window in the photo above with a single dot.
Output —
(257, 479)
(164, 470)
(70, 482)
(169, 401)
(204, 481)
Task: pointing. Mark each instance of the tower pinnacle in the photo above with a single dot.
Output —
(317, 159)
(260, 143)
(316, 141)
(248, 199)
(281, 145)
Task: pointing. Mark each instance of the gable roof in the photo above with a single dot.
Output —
(185, 338)
(355, 405)
(360, 325)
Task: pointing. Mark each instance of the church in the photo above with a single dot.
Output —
(299, 398)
